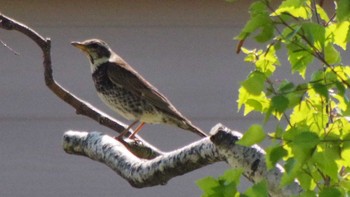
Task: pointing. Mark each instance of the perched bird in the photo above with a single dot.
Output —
(125, 91)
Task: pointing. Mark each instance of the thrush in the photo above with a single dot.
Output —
(126, 92)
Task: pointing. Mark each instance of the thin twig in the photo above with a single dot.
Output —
(81, 107)
(9, 48)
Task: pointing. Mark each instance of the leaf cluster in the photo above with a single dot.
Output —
(312, 135)
(226, 186)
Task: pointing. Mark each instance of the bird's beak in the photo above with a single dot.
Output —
(80, 46)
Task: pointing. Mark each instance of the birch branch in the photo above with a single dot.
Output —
(252, 160)
(138, 161)
(145, 173)
(140, 172)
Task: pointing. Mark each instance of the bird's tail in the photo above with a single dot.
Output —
(189, 126)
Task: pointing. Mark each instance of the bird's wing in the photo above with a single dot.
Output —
(124, 75)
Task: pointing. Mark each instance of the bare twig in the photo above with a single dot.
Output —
(145, 165)
(9, 48)
(81, 107)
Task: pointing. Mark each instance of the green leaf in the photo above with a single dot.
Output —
(229, 190)
(341, 89)
(318, 75)
(300, 114)
(343, 10)
(303, 145)
(296, 8)
(274, 154)
(290, 35)
(229, 181)
(345, 153)
(337, 33)
(267, 31)
(300, 58)
(308, 194)
(279, 103)
(294, 98)
(207, 184)
(225, 186)
(253, 135)
(255, 83)
(315, 34)
(342, 34)
(306, 140)
(321, 89)
(258, 8)
(327, 192)
(257, 190)
(332, 55)
(279, 131)
(231, 175)
(251, 55)
(344, 183)
(306, 181)
(252, 102)
(266, 62)
(260, 20)
(325, 161)
(286, 86)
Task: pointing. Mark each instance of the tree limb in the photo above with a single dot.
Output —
(140, 172)
(139, 162)
(81, 107)
(144, 173)
(252, 160)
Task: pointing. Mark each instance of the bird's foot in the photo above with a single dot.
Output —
(119, 138)
(130, 139)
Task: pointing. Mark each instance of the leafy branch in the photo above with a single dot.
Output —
(313, 130)
(143, 165)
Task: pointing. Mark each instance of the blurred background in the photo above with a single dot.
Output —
(184, 48)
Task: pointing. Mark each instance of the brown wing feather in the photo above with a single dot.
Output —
(124, 75)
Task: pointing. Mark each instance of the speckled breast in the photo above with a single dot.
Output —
(123, 101)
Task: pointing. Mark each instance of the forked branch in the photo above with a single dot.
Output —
(81, 107)
(140, 163)
(157, 171)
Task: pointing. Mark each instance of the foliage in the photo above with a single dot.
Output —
(226, 186)
(312, 136)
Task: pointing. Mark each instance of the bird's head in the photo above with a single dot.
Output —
(97, 50)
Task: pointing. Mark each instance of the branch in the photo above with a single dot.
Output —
(139, 162)
(81, 107)
(252, 160)
(140, 172)
(145, 173)
(9, 48)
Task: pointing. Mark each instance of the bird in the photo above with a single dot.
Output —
(126, 92)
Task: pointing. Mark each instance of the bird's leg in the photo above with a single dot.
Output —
(132, 136)
(121, 135)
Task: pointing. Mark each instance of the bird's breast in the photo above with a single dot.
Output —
(115, 96)
(101, 80)
(124, 101)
